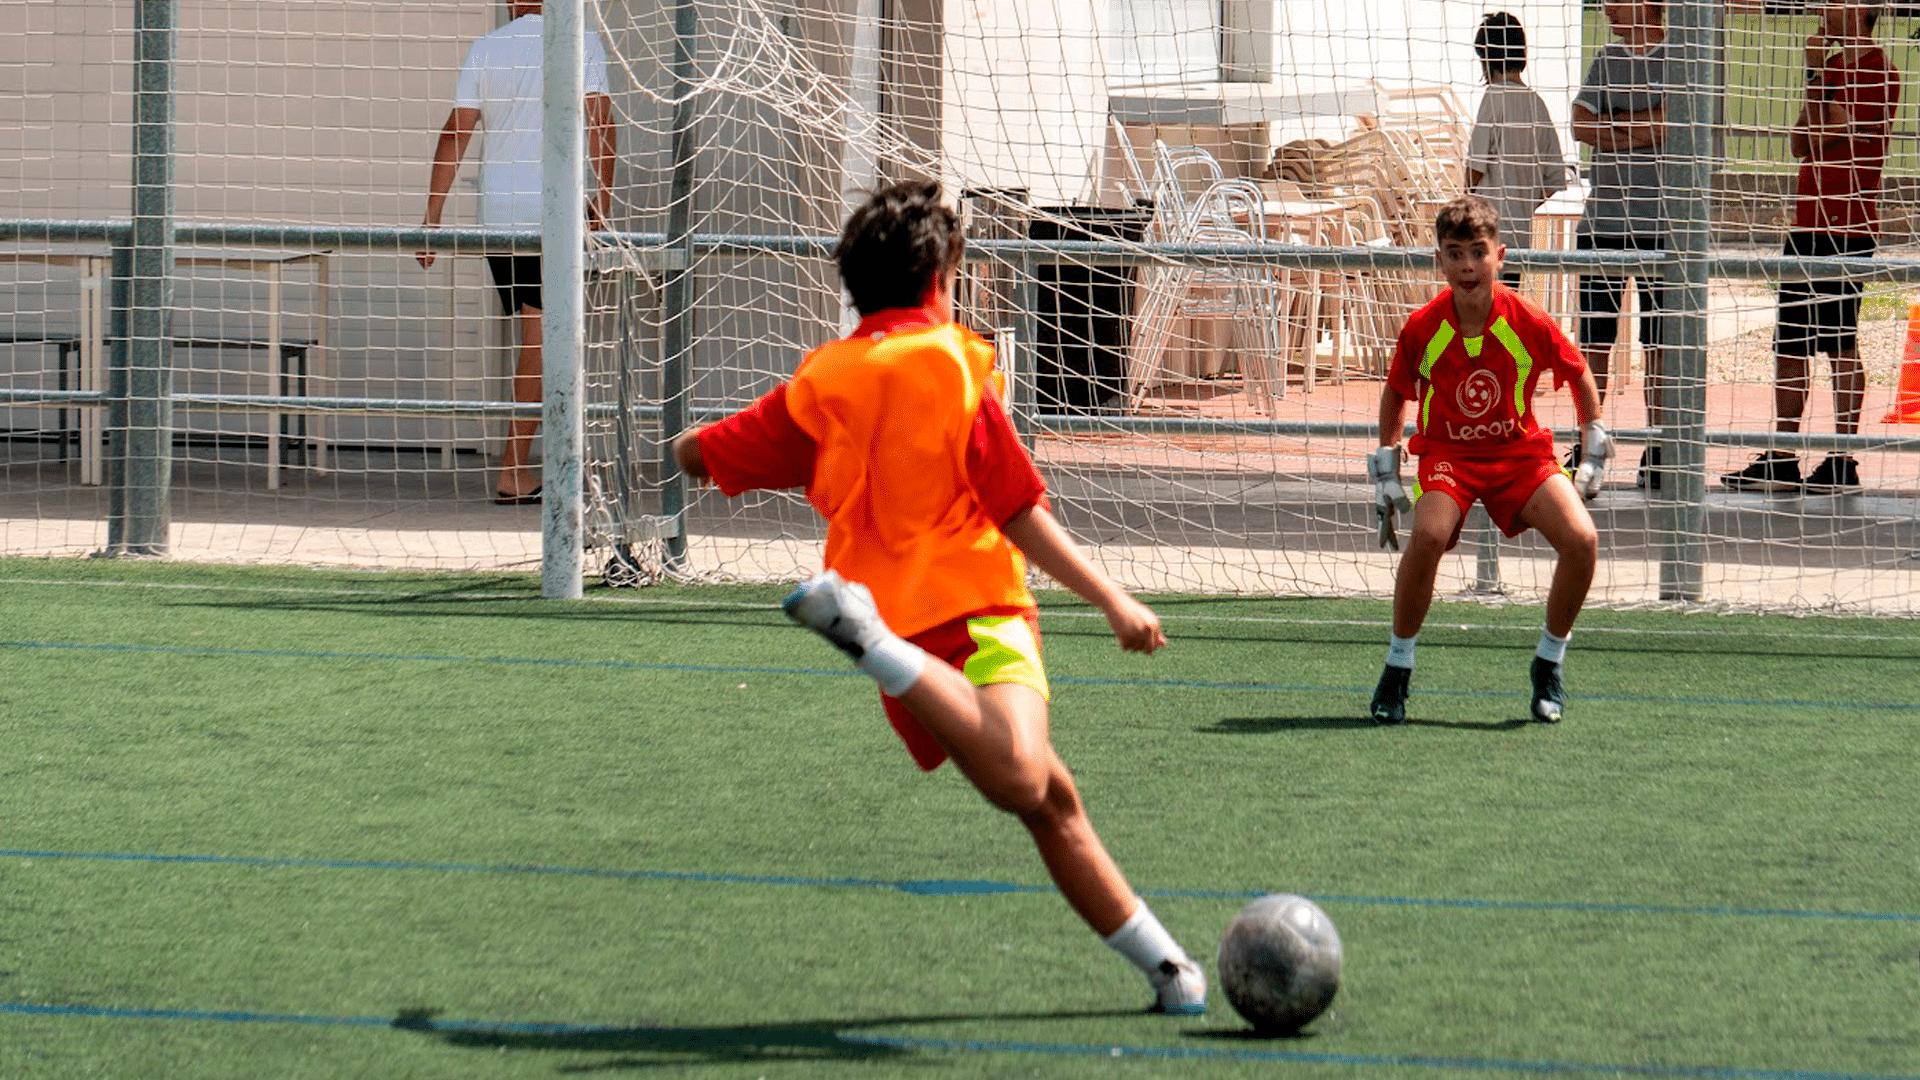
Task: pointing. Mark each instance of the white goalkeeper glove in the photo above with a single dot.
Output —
(1596, 446)
(1389, 497)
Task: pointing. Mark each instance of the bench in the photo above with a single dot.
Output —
(291, 430)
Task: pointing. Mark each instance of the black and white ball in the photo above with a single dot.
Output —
(1280, 962)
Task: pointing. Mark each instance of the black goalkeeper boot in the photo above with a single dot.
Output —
(1390, 697)
(1549, 696)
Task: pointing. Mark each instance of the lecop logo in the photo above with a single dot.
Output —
(1477, 394)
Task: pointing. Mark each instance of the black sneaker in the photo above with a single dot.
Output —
(1775, 470)
(1549, 697)
(1573, 459)
(1390, 697)
(1649, 474)
(1837, 474)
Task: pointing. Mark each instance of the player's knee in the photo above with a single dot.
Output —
(1021, 789)
(1580, 544)
(1055, 802)
(1428, 539)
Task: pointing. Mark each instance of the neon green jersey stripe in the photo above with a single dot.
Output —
(1522, 362)
(1442, 338)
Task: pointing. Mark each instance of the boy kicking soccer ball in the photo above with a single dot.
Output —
(1472, 359)
(900, 437)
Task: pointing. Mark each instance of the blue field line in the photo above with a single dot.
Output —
(851, 1035)
(953, 886)
(756, 669)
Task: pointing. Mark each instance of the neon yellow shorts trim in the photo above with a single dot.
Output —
(1006, 652)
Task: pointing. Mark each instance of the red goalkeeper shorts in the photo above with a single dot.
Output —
(1503, 484)
(987, 649)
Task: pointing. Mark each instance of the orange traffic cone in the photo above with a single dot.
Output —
(1906, 400)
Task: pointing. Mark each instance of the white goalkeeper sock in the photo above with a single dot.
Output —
(895, 664)
(1400, 650)
(1552, 648)
(1144, 941)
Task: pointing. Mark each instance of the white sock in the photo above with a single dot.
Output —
(1552, 648)
(1400, 650)
(1145, 942)
(895, 664)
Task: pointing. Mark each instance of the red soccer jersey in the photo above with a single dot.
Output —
(1475, 395)
(1839, 183)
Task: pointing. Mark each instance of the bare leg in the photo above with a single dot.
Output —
(1849, 391)
(997, 736)
(516, 478)
(1435, 517)
(1558, 513)
(1791, 385)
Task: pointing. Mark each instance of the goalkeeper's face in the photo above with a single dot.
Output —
(1846, 20)
(1471, 266)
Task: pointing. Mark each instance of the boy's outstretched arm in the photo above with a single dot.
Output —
(1586, 399)
(1393, 412)
(686, 454)
(1596, 444)
(1038, 534)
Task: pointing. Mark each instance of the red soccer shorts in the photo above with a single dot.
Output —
(986, 649)
(1503, 484)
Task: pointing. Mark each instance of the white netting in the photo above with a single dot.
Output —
(1207, 416)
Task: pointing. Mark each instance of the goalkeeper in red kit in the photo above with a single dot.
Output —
(1471, 360)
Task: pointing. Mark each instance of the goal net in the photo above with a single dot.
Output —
(1201, 421)
(1196, 227)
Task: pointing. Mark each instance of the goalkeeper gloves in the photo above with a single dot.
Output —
(1389, 497)
(1596, 446)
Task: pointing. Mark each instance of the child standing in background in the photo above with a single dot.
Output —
(1514, 158)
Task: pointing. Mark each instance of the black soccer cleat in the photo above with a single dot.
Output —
(1648, 475)
(1773, 471)
(1390, 697)
(1838, 474)
(1549, 700)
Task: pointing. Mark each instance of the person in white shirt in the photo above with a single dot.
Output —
(1514, 160)
(499, 95)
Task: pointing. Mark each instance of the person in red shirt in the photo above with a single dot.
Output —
(1841, 139)
(1471, 360)
(901, 438)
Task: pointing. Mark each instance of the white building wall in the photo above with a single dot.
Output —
(1408, 42)
(1025, 94)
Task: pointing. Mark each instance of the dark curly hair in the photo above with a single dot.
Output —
(1467, 217)
(1501, 43)
(897, 244)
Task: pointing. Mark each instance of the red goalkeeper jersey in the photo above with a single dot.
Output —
(1475, 395)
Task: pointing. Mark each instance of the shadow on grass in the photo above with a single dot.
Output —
(1269, 725)
(1247, 1034)
(677, 1047)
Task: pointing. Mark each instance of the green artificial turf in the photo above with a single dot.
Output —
(309, 824)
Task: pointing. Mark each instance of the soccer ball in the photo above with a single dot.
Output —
(1280, 962)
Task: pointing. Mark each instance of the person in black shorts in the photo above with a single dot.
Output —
(499, 93)
(1841, 138)
(1620, 113)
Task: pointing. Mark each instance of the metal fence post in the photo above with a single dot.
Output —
(1687, 182)
(1025, 332)
(676, 294)
(140, 460)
